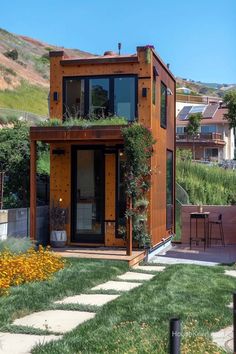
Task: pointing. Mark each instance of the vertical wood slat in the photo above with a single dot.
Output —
(33, 158)
(129, 230)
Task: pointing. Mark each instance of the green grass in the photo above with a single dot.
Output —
(207, 185)
(77, 277)
(138, 321)
(26, 98)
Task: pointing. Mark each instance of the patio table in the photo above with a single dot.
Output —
(202, 216)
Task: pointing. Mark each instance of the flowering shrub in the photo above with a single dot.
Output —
(26, 267)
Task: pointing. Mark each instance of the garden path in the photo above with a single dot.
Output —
(62, 321)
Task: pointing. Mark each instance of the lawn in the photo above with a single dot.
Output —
(138, 321)
(78, 276)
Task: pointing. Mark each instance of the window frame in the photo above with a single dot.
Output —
(111, 91)
(163, 124)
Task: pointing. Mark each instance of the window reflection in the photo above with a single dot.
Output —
(124, 97)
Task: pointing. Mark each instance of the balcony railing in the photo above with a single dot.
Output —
(196, 99)
(216, 137)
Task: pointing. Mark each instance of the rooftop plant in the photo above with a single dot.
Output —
(84, 122)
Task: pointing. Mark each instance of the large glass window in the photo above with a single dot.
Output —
(99, 97)
(74, 98)
(169, 189)
(124, 97)
(163, 105)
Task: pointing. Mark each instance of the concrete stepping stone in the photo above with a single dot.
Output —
(55, 320)
(151, 268)
(88, 299)
(224, 338)
(232, 273)
(135, 276)
(12, 343)
(117, 285)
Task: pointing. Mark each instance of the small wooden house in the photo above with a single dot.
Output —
(86, 173)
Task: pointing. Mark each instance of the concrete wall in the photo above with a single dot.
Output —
(228, 217)
(15, 222)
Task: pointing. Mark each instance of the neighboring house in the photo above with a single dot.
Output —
(85, 164)
(215, 140)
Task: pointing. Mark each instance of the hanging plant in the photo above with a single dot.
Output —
(138, 149)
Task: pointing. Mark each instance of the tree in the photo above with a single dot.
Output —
(230, 103)
(15, 162)
(194, 122)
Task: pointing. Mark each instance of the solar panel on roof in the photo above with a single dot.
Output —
(183, 114)
(210, 110)
(197, 109)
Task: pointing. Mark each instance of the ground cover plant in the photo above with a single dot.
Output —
(138, 321)
(31, 265)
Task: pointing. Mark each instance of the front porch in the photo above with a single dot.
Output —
(103, 253)
(84, 178)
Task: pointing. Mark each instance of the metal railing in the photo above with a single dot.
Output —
(197, 99)
(200, 137)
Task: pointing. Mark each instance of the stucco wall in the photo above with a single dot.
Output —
(228, 217)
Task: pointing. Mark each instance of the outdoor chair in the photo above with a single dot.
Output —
(217, 222)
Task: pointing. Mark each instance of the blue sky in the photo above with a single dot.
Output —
(198, 38)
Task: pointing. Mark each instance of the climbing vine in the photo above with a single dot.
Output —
(138, 149)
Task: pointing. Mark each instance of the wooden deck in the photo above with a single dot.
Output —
(105, 253)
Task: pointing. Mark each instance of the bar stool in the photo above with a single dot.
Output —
(216, 222)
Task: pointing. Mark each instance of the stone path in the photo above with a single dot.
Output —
(170, 260)
(224, 338)
(58, 321)
(13, 343)
(63, 321)
(232, 273)
(135, 276)
(88, 299)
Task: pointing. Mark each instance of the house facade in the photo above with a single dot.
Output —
(215, 140)
(86, 163)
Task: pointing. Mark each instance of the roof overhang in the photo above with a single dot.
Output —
(77, 134)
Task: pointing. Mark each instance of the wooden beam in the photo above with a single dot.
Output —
(33, 191)
(129, 230)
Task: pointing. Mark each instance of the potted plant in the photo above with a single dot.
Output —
(58, 218)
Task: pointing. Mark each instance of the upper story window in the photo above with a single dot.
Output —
(163, 105)
(74, 93)
(208, 128)
(180, 130)
(124, 97)
(100, 97)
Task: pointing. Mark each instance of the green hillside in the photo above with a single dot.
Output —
(26, 97)
(206, 185)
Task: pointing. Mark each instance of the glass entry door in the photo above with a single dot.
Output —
(88, 196)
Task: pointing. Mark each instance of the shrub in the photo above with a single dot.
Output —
(16, 245)
(12, 54)
(17, 269)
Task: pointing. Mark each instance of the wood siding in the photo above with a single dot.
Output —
(148, 115)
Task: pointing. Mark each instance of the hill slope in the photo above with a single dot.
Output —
(206, 89)
(24, 72)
